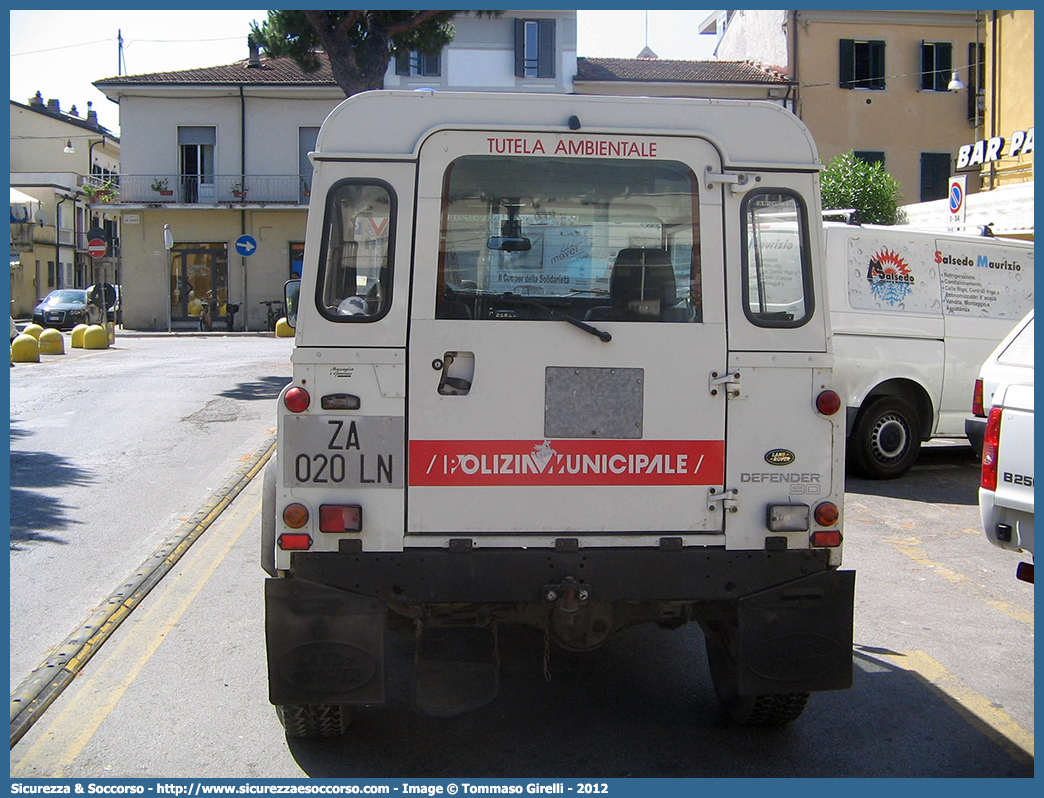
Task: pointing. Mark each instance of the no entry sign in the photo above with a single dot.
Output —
(96, 247)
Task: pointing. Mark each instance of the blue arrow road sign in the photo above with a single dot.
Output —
(246, 245)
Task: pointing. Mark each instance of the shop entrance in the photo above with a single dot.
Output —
(199, 273)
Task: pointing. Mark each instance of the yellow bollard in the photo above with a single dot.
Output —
(33, 330)
(283, 329)
(76, 338)
(52, 343)
(95, 337)
(111, 327)
(25, 349)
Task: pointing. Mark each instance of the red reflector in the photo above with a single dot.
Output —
(295, 541)
(296, 400)
(977, 408)
(990, 442)
(829, 539)
(340, 518)
(828, 403)
(827, 514)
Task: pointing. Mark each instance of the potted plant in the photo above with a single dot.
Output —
(239, 190)
(99, 193)
(159, 185)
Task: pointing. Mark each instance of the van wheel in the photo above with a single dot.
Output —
(313, 720)
(886, 439)
(747, 710)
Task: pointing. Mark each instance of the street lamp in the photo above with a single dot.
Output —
(168, 244)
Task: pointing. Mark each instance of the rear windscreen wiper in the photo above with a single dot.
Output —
(583, 325)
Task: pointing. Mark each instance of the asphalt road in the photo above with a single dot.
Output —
(110, 450)
(943, 677)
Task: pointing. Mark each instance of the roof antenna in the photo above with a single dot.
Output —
(646, 52)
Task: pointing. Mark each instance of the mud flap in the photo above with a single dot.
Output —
(797, 638)
(324, 646)
(456, 670)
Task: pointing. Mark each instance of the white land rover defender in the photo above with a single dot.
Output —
(550, 370)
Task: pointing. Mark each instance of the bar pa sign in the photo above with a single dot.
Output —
(992, 149)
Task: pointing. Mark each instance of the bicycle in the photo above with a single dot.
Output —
(274, 313)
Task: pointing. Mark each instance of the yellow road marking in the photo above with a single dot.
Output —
(998, 724)
(89, 720)
(910, 547)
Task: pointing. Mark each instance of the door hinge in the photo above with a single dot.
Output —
(737, 183)
(729, 498)
(730, 382)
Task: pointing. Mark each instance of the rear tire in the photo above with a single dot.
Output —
(747, 710)
(886, 439)
(313, 720)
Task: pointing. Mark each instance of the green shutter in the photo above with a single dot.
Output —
(847, 72)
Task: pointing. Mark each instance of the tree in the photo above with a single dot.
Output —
(359, 44)
(848, 182)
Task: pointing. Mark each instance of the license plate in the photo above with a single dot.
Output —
(325, 451)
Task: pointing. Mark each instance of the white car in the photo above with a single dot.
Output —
(1010, 362)
(1006, 488)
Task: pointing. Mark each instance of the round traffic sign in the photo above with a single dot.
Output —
(96, 248)
(956, 198)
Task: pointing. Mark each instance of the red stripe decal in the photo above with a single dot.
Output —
(568, 462)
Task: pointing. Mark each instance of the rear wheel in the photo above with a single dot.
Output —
(747, 710)
(313, 720)
(886, 439)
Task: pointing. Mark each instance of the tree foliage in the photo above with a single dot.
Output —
(848, 182)
(359, 44)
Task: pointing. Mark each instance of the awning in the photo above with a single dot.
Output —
(18, 196)
(1008, 209)
(23, 207)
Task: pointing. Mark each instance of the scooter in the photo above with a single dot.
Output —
(230, 313)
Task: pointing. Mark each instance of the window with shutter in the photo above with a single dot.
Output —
(936, 65)
(534, 48)
(862, 64)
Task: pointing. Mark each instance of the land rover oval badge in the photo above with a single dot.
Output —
(780, 457)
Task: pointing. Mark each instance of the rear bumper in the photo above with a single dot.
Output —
(437, 576)
(326, 624)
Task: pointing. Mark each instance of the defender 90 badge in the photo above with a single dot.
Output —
(780, 457)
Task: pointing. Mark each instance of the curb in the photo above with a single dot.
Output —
(48, 680)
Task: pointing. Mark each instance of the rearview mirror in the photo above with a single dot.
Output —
(509, 244)
(291, 294)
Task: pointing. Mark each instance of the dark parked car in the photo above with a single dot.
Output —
(65, 308)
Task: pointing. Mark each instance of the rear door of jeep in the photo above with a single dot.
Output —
(567, 321)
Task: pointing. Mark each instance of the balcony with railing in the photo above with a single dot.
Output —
(197, 190)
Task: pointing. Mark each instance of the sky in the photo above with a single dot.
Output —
(60, 53)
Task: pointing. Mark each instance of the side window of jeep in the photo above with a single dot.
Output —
(355, 262)
(777, 274)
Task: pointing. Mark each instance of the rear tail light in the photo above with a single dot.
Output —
(827, 514)
(827, 539)
(977, 408)
(989, 450)
(828, 402)
(296, 400)
(295, 516)
(340, 518)
(295, 541)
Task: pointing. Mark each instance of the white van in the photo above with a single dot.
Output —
(548, 372)
(914, 314)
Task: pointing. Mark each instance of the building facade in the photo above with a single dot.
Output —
(219, 157)
(995, 162)
(54, 154)
(875, 82)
